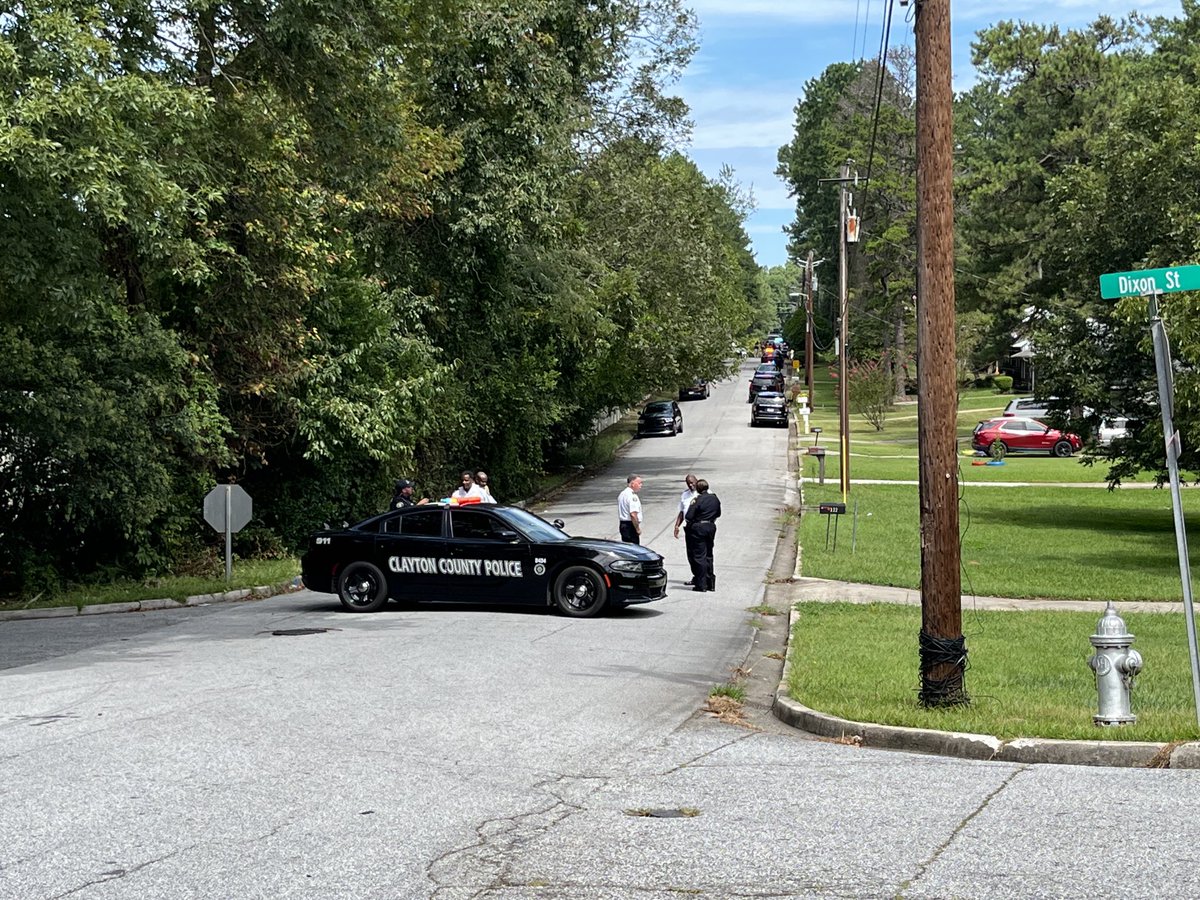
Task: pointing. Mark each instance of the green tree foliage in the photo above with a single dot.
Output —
(839, 119)
(314, 246)
(1075, 165)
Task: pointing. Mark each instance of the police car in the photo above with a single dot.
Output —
(478, 553)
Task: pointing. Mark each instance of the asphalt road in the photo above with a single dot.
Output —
(457, 752)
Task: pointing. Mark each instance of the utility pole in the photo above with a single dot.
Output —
(843, 331)
(808, 332)
(942, 649)
(843, 326)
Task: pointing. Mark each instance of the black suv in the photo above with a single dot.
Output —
(769, 407)
(765, 381)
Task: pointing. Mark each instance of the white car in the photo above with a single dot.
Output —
(1029, 407)
(1111, 430)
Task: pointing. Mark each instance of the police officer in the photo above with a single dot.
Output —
(701, 519)
(404, 495)
(629, 511)
(685, 500)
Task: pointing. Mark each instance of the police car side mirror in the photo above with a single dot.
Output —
(559, 524)
(506, 535)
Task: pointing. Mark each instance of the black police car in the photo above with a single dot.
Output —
(478, 553)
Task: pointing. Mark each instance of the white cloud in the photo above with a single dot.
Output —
(753, 116)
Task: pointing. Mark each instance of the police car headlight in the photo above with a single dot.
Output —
(626, 565)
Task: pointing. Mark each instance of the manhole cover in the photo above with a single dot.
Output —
(292, 632)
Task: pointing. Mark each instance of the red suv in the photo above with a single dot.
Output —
(1013, 434)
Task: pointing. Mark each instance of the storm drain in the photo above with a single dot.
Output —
(683, 812)
(295, 632)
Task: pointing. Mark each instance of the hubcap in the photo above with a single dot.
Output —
(579, 594)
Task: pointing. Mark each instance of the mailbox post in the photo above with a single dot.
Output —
(819, 453)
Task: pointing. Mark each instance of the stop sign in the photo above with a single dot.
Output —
(239, 505)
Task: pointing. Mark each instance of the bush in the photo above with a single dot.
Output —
(871, 390)
(1002, 383)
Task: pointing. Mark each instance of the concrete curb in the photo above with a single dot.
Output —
(60, 612)
(1132, 754)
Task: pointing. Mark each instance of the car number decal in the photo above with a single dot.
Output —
(429, 565)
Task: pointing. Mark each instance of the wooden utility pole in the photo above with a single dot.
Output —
(843, 333)
(943, 651)
(808, 332)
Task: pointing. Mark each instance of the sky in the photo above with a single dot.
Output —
(756, 56)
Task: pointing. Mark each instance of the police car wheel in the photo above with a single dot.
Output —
(362, 587)
(580, 591)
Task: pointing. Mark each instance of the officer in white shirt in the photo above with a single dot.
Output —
(629, 511)
(685, 500)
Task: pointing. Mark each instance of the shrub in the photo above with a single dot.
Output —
(872, 388)
(1002, 383)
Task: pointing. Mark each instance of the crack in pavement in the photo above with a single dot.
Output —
(483, 862)
(923, 867)
(115, 874)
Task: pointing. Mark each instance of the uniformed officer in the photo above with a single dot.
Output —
(629, 511)
(685, 500)
(404, 495)
(701, 519)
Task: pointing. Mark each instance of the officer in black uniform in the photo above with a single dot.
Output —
(404, 495)
(701, 519)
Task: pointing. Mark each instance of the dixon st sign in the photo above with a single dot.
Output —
(1150, 281)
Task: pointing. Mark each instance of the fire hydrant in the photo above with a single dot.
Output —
(1116, 665)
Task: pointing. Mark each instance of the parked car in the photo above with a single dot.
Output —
(770, 408)
(491, 554)
(1017, 434)
(1030, 407)
(660, 417)
(1111, 430)
(698, 389)
(765, 381)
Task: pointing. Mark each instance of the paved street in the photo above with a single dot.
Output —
(457, 752)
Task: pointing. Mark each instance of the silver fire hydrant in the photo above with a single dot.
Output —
(1115, 665)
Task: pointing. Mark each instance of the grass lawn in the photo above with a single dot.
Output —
(1038, 540)
(1027, 676)
(1052, 542)
(891, 454)
(246, 574)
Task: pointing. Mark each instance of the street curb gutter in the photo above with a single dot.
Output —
(61, 612)
(1134, 754)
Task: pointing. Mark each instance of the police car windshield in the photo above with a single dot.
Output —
(534, 527)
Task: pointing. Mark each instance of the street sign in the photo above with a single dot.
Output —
(240, 507)
(1150, 281)
(228, 508)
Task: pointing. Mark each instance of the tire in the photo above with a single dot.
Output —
(580, 592)
(362, 587)
(680, 429)
(998, 450)
(753, 423)
(1062, 449)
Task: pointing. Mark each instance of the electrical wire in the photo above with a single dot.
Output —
(880, 70)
